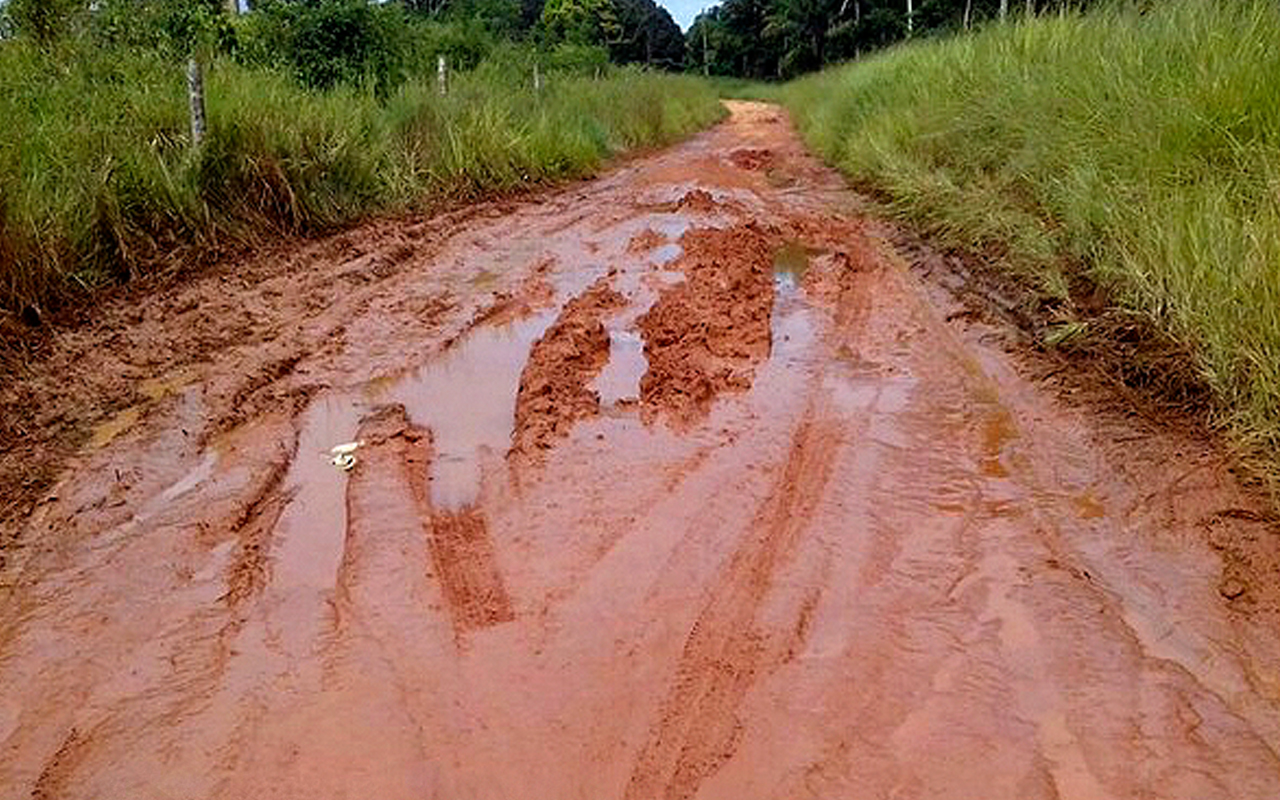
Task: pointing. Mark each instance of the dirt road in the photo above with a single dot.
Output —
(678, 483)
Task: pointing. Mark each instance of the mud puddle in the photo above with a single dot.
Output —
(676, 483)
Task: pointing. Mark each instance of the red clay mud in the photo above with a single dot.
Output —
(752, 158)
(697, 200)
(715, 498)
(645, 241)
(706, 335)
(554, 389)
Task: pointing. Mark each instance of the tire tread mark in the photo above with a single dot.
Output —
(698, 729)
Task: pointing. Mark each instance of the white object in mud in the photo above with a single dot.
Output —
(343, 455)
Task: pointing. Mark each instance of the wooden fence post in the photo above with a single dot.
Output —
(195, 98)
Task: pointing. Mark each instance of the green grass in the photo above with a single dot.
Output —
(98, 182)
(1139, 151)
(744, 89)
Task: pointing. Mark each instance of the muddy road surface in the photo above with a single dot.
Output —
(680, 483)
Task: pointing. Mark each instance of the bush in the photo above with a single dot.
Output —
(328, 42)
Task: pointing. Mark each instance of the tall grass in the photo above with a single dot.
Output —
(98, 182)
(1138, 149)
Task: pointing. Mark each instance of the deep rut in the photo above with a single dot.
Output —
(678, 483)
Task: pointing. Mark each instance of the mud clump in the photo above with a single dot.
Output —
(698, 200)
(555, 388)
(705, 336)
(751, 158)
(645, 241)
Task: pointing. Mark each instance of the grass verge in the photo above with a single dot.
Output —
(98, 182)
(1124, 162)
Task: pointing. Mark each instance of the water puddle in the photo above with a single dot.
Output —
(620, 379)
(193, 478)
(312, 528)
(666, 253)
(105, 432)
(672, 226)
(467, 398)
(791, 261)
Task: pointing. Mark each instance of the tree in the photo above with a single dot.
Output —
(44, 21)
(579, 22)
(803, 26)
(646, 34)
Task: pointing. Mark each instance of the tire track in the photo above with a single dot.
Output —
(463, 553)
(698, 728)
(460, 549)
(253, 528)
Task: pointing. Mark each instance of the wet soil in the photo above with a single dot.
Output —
(685, 482)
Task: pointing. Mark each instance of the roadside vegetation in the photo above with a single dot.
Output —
(768, 40)
(319, 113)
(1125, 162)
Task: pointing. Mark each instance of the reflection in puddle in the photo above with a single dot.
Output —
(313, 526)
(666, 253)
(672, 226)
(113, 427)
(193, 478)
(467, 398)
(620, 378)
(794, 323)
(791, 261)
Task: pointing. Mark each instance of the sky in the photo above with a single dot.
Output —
(683, 11)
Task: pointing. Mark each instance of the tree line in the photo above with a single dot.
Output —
(325, 42)
(779, 39)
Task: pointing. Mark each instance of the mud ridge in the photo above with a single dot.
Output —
(555, 390)
(697, 200)
(248, 572)
(752, 158)
(462, 553)
(645, 240)
(705, 336)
